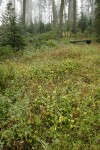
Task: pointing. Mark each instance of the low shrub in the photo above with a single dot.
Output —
(2, 80)
(41, 39)
(46, 36)
(5, 77)
(6, 52)
(65, 41)
(80, 34)
(90, 33)
(51, 43)
(4, 107)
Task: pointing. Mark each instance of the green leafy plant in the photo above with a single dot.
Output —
(51, 43)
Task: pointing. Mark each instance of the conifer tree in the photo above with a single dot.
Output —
(11, 29)
(83, 22)
(97, 20)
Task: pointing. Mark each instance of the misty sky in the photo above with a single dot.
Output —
(2, 7)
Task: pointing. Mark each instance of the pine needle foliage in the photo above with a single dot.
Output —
(83, 23)
(11, 29)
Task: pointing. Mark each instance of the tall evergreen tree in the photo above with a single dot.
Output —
(97, 20)
(11, 29)
(83, 22)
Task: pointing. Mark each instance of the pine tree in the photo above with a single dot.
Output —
(97, 20)
(83, 23)
(11, 29)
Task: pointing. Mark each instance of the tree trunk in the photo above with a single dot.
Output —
(24, 12)
(82, 7)
(70, 13)
(74, 16)
(93, 8)
(88, 8)
(61, 18)
(29, 12)
(0, 2)
(54, 12)
(40, 12)
(69, 3)
(65, 14)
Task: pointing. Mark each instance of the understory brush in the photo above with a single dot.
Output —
(6, 52)
(41, 39)
(50, 100)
